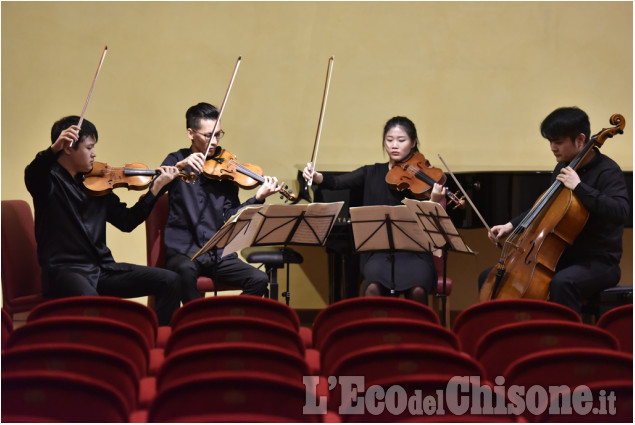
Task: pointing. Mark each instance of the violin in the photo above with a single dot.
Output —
(103, 178)
(532, 251)
(417, 175)
(224, 166)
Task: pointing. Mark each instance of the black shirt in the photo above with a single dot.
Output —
(70, 225)
(602, 191)
(372, 180)
(198, 209)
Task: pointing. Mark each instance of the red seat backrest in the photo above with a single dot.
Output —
(21, 273)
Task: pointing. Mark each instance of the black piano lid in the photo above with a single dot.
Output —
(498, 195)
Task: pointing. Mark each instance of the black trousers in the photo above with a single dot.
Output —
(126, 281)
(574, 283)
(231, 271)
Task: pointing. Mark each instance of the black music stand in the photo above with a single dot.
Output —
(266, 225)
(307, 225)
(438, 228)
(388, 228)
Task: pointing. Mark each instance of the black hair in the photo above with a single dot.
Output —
(407, 125)
(566, 122)
(87, 129)
(200, 111)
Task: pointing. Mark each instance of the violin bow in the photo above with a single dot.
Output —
(489, 230)
(316, 145)
(222, 107)
(92, 87)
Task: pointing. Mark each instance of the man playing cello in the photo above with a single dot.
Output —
(591, 263)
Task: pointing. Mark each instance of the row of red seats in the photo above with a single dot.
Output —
(472, 331)
(527, 342)
(117, 344)
(388, 351)
(471, 326)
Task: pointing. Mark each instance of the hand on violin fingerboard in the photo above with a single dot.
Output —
(269, 187)
(438, 193)
(168, 173)
(195, 160)
(67, 138)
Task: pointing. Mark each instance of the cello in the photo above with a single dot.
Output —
(531, 252)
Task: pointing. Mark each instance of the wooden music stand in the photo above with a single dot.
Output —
(438, 227)
(418, 226)
(233, 231)
(388, 228)
(266, 225)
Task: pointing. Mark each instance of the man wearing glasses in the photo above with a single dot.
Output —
(199, 209)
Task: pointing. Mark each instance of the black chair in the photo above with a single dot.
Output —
(604, 301)
(273, 258)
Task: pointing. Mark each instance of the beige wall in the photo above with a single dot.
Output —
(477, 78)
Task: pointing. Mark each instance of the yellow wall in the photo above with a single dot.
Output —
(477, 78)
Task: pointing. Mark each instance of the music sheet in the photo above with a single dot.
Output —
(437, 225)
(255, 225)
(301, 224)
(371, 229)
(236, 231)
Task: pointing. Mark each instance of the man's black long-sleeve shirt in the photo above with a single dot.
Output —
(198, 209)
(602, 191)
(70, 225)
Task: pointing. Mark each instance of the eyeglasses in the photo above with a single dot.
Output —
(219, 134)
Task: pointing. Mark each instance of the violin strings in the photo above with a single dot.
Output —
(246, 171)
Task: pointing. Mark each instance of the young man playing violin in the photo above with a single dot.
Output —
(70, 225)
(199, 209)
(591, 263)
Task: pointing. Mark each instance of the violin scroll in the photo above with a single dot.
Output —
(458, 202)
(417, 175)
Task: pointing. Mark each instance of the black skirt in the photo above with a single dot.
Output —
(410, 269)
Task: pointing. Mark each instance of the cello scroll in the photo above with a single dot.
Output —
(606, 133)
